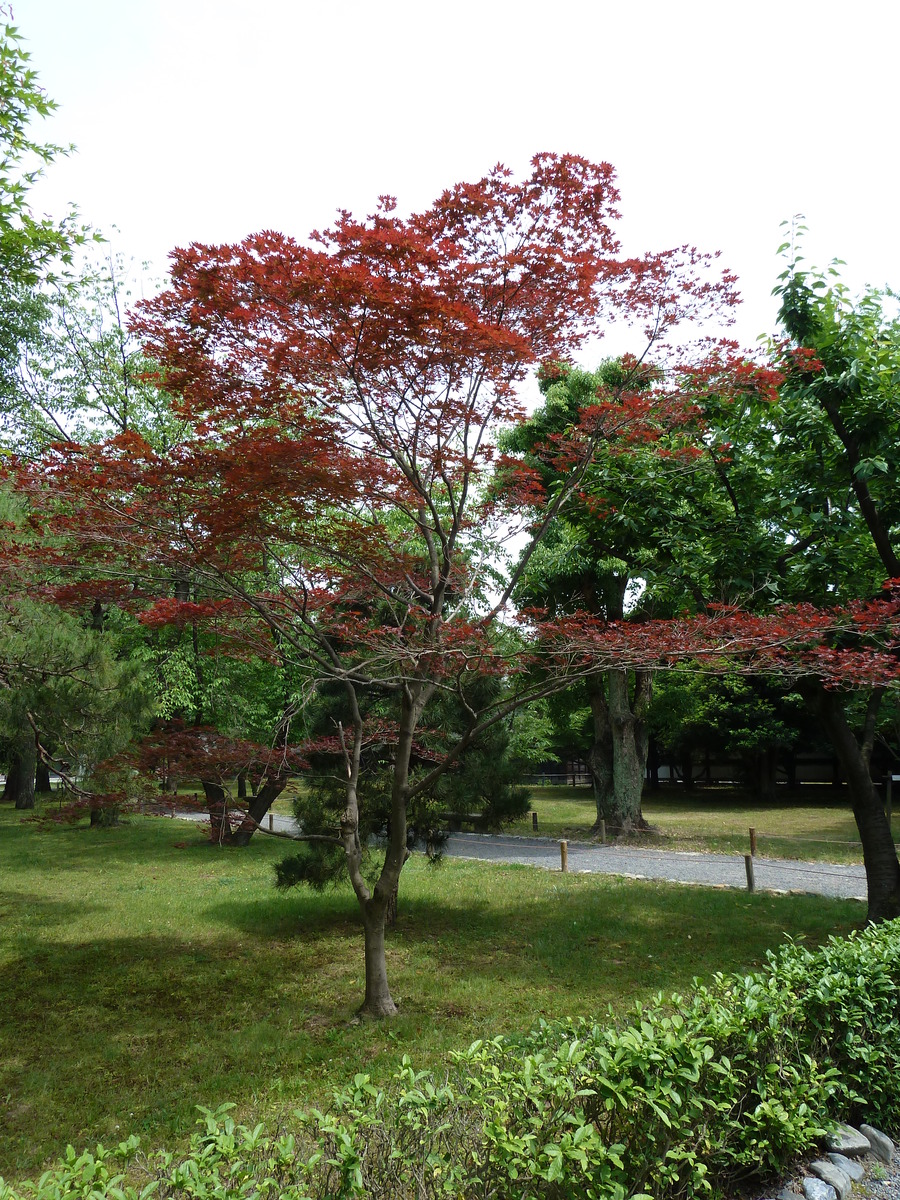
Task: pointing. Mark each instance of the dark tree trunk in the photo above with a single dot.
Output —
(257, 810)
(687, 767)
(21, 773)
(599, 757)
(12, 773)
(217, 806)
(390, 913)
(653, 764)
(879, 852)
(766, 774)
(242, 784)
(792, 769)
(42, 777)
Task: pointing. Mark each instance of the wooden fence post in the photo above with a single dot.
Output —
(271, 822)
(748, 864)
(564, 856)
(534, 821)
(753, 842)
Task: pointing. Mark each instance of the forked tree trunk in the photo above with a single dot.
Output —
(879, 852)
(257, 810)
(374, 905)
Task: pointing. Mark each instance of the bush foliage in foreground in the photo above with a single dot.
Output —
(693, 1095)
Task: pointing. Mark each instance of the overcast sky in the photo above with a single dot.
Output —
(205, 120)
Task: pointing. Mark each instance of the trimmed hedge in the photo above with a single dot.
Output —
(691, 1096)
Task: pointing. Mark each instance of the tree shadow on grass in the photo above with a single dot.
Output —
(595, 938)
(137, 840)
(133, 1031)
(18, 910)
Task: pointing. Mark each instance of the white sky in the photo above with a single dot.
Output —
(205, 120)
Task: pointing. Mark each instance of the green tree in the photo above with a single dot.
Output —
(33, 250)
(836, 474)
(650, 530)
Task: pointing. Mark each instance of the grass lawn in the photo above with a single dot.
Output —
(143, 971)
(810, 825)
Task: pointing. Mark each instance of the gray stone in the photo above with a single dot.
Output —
(817, 1189)
(849, 1141)
(848, 1165)
(833, 1175)
(882, 1146)
(787, 1194)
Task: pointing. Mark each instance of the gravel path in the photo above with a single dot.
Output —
(723, 870)
(712, 870)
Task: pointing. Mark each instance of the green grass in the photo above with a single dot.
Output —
(809, 826)
(143, 971)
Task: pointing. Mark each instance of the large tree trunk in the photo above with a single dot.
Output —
(618, 756)
(20, 776)
(629, 744)
(42, 777)
(879, 852)
(600, 755)
(12, 771)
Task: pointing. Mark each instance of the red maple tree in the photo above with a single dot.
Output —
(331, 506)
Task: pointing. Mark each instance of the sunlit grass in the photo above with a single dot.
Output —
(143, 971)
(716, 820)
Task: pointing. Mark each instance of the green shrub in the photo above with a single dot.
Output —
(691, 1096)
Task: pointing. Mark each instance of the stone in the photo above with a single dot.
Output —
(882, 1146)
(848, 1165)
(788, 1194)
(828, 1172)
(849, 1141)
(818, 1189)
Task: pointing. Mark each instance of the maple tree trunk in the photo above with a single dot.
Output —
(879, 852)
(375, 907)
(256, 811)
(217, 806)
